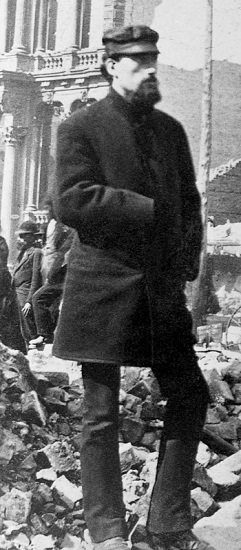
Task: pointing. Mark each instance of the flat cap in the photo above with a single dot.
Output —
(130, 40)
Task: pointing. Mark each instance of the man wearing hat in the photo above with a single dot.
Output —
(26, 277)
(126, 183)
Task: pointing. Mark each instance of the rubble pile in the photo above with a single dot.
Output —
(41, 501)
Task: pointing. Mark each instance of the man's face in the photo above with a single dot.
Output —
(133, 72)
(25, 240)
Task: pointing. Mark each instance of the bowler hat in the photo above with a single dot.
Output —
(28, 227)
(131, 40)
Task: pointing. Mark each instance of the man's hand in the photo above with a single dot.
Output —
(26, 309)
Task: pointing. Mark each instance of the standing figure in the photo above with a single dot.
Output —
(26, 277)
(10, 333)
(126, 183)
(46, 300)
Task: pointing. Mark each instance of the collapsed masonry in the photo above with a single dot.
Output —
(41, 417)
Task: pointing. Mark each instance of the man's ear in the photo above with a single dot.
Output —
(110, 65)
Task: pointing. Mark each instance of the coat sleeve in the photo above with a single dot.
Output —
(191, 210)
(103, 215)
(36, 280)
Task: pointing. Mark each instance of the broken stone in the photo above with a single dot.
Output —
(130, 376)
(57, 378)
(18, 506)
(219, 389)
(232, 373)
(204, 504)
(131, 402)
(75, 408)
(32, 410)
(47, 474)
(216, 414)
(141, 389)
(227, 430)
(66, 492)
(38, 526)
(49, 519)
(203, 456)
(28, 466)
(42, 542)
(13, 528)
(149, 440)
(203, 479)
(132, 429)
(59, 456)
(71, 543)
(11, 445)
(236, 390)
(127, 456)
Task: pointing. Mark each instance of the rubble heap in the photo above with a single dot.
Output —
(40, 450)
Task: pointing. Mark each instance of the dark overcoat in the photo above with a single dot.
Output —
(126, 183)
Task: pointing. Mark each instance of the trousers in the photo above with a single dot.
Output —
(182, 382)
(42, 300)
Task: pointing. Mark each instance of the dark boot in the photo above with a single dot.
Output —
(170, 502)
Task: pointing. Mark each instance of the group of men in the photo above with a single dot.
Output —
(38, 278)
(126, 184)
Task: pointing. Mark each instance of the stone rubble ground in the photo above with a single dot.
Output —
(41, 399)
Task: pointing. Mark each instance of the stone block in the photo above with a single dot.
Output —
(232, 372)
(219, 389)
(127, 456)
(71, 543)
(132, 430)
(11, 444)
(202, 503)
(32, 409)
(236, 390)
(202, 478)
(227, 476)
(43, 542)
(131, 402)
(18, 505)
(59, 456)
(66, 493)
(141, 389)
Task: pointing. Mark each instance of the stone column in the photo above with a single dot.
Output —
(8, 183)
(18, 42)
(67, 25)
(42, 27)
(3, 24)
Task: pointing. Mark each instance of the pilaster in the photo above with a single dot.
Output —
(67, 25)
(3, 24)
(9, 204)
(18, 42)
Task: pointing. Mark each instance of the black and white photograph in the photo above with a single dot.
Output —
(120, 270)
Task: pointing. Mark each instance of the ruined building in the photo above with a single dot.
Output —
(50, 52)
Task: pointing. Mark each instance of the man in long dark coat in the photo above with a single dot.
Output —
(126, 183)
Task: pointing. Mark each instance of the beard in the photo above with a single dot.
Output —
(146, 96)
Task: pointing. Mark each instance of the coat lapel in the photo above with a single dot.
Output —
(24, 259)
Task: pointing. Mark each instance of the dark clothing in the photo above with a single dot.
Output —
(26, 280)
(137, 213)
(127, 185)
(47, 298)
(100, 464)
(45, 305)
(27, 272)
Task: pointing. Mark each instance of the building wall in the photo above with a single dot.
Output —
(225, 196)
